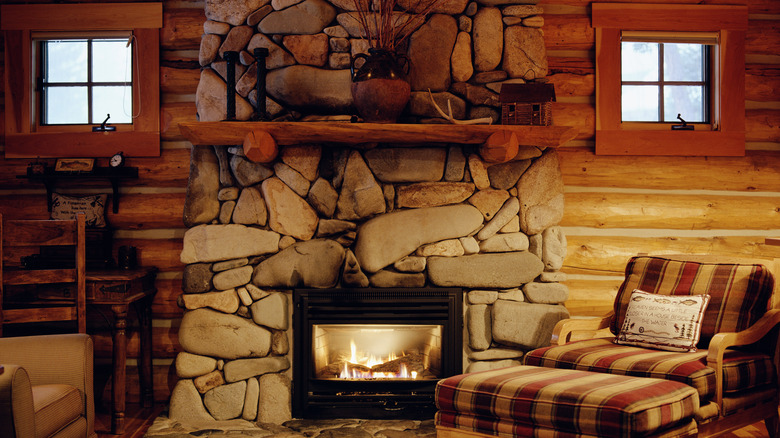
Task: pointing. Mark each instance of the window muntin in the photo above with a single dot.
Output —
(660, 80)
(82, 80)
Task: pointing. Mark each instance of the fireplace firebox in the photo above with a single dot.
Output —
(374, 353)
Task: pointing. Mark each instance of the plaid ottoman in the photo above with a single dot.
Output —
(535, 401)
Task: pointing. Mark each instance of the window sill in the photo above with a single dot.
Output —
(88, 144)
(682, 143)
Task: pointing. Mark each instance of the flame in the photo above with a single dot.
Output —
(362, 365)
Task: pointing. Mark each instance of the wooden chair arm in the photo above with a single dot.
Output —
(722, 341)
(564, 328)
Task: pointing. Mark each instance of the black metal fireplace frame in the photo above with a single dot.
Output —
(412, 399)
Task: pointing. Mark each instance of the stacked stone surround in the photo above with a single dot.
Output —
(462, 54)
(324, 217)
(373, 215)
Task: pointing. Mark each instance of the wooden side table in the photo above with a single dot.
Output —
(117, 290)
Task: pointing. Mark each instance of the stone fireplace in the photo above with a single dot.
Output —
(364, 216)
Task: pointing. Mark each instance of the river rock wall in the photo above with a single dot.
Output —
(323, 217)
(462, 54)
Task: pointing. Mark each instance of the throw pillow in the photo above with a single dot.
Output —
(65, 208)
(664, 322)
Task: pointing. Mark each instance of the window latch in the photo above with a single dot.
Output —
(684, 127)
(103, 127)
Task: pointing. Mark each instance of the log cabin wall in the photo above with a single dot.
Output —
(615, 206)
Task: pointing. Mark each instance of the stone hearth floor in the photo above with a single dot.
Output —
(163, 427)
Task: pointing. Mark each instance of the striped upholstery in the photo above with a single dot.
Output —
(741, 370)
(740, 292)
(510, 429)
(567, 401)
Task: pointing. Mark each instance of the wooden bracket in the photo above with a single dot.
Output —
(500, 147)
(260, 146)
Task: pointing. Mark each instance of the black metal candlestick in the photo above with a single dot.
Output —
(260, 54)
(230, 59)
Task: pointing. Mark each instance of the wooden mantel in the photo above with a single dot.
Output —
(288, 133)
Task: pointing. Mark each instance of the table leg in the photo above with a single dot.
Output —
(120, 360)
(144, 312)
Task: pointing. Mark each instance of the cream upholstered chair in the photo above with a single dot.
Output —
(46, 386)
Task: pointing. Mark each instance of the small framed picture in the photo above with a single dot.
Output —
(74, 165)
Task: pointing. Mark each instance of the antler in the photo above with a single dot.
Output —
(485, 120)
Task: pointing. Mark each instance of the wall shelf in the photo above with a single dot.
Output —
(50, 178)
(287, 133)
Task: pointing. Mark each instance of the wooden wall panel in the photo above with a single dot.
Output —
(608, 254)
(670, 211)
(568, 32)
(757, 171)
(615, 206)
(151, 207)
(182, 28)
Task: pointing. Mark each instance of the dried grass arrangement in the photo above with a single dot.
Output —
(387, 24)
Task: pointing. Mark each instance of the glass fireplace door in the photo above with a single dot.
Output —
(377, 351)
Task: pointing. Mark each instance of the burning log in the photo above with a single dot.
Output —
(412, 362)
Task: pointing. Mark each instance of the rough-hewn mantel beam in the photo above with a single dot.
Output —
(287, 133)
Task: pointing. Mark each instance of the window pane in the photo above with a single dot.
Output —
(683, 62)
(684, 100)
(117, 101)
(65, 105)
(640, 103)
(66, 61)
(639, 61)
(111, 61)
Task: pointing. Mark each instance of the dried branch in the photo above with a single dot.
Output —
(386, 28)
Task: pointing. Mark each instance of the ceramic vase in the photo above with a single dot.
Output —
(380, 89)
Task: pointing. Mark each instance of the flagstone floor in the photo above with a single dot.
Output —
(163, 427)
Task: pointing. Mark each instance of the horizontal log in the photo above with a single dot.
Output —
(285, 133)
(591, 297)
(584, 3)
(148, 211)
(161, 253)
(568, 32)
(756, 171)
(136, 211)
(179, 80)
(762, 82)
(171, 169)
(762, 125)
(569, 84)
(762, 37)
(581, 116)
(571, 65)
(607, 255)
(183, 28)
(165, 340)
(763, 7)
(671, 211)
(163, 380)
(172, 114)
(165, 304)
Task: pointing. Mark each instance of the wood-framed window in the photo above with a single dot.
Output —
(723, 134)
(27, 132)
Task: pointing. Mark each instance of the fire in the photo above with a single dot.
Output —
(360, 366)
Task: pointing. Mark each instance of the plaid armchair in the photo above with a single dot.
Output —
(734, 371)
